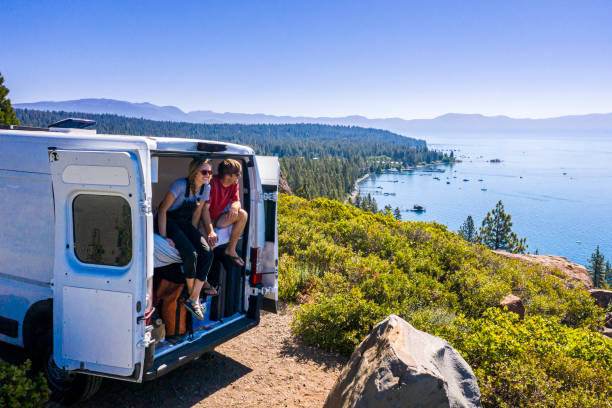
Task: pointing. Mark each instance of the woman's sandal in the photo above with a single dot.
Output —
(194, 308)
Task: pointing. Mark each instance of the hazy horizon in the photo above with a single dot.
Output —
(300, 115)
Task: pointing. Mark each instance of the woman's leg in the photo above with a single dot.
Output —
(186, 250)
(204, 259)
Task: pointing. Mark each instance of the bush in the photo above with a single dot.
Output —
(17, 390)
(353, 268)
(536, 362)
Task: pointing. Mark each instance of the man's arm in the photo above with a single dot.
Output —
(211, 236)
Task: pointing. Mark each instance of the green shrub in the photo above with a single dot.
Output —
(338, 322)
(535, 362)
(17, 390)
(293, 280)
(353, 268)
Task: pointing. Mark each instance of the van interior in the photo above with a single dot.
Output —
(225, 274)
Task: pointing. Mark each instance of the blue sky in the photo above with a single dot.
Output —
(410, 59)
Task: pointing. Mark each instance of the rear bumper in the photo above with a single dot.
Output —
(195, 349)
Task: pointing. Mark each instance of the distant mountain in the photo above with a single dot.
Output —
(447, 122)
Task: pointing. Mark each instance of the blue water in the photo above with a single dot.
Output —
(560, 214)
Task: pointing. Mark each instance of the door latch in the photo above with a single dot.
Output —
(270, 196)
(262, 291)
(146, 207)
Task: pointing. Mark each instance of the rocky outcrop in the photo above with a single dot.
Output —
(514, 304)
(602, 297)
(283, 186)
(400, 366)
(609, 320)
(577, 275)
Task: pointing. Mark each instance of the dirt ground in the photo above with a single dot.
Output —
(264, 367)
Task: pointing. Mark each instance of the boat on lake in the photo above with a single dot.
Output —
(417, 208)
(466, 180)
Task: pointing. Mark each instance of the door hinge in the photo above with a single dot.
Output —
(262, 291)
(146, 340)
(53, 157)
(146, 207)
(270, 196)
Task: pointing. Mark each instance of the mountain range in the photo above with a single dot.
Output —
(447, 122)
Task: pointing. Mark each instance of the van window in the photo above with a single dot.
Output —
(102, 229)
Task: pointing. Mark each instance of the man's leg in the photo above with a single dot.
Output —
(237, 229)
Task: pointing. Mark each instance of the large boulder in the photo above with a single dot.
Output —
(602, 297)
(514, 304)
(400, 366)
(608, 322)
(577, 275)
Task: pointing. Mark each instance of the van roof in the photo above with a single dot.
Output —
(83, 139)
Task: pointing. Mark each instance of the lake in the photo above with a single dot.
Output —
(558, 188)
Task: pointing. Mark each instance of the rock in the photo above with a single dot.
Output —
(283, 186)
(608, 319)
(514, 304)
(607, 332)
(602, 297)
(577, 275)
(400, 366)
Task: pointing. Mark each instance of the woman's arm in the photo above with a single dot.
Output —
(197, 214)
(161, 215)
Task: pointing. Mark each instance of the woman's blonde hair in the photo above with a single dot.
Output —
(194, 167)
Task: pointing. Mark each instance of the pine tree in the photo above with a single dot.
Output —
(608, 274)
(397, 214)
(597, 268)
(496, 231)
(388, 210)
(7, 114)
(468, 230)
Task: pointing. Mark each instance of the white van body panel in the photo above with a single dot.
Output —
(96, 306)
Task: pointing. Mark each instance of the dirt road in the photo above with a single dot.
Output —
(264, 367)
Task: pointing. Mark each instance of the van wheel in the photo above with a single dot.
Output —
(66, 388)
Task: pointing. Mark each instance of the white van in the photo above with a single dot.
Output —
(77, 252)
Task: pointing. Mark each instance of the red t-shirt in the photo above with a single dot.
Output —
(220, 197)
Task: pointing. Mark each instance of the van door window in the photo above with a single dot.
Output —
(102, 229)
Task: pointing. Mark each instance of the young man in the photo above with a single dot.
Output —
(224, 208)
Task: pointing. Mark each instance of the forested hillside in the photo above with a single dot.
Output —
(348, 151)
(350, 269)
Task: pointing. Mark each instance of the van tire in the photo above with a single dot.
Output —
(66, 388)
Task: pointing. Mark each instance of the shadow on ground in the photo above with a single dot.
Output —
(180, 388)
(296, 349)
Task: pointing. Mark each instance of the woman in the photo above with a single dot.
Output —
(178, 218)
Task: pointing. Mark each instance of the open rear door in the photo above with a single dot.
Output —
(100, 242)
(268, 168)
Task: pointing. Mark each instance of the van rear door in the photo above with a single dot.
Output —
(99, 281)
(268, 169)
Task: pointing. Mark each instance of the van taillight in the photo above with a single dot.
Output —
(255, 277)
(149, 303)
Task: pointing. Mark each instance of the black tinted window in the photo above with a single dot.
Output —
(102, 229)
